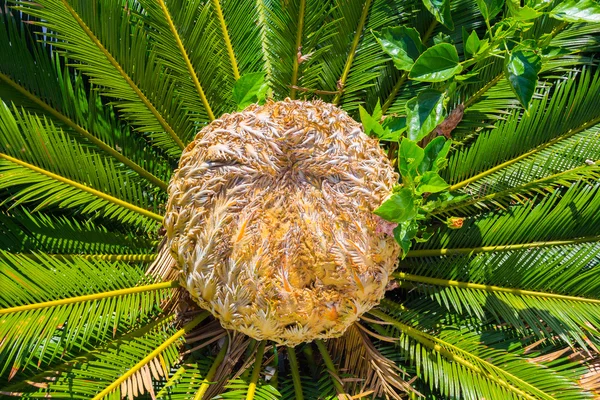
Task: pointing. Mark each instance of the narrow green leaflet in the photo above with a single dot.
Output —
(402, 44)
(424, 113)
(577, 11)
(250, 88)
(490, 8)
(399, 207)
(438, 63)
(521, 69)
(441, 11)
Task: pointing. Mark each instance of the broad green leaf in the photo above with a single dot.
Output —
(524, 13)
(370, 124)
(431, 182)
(436, 64)
(490, 8)
(404, 233)
(402, 44)
(435, 154)
(424, 113)
(409, 158)
(521, 69)
(399, 207)
(577, 11)
(441, 11)
(472, 44)
(393, 127)
(250, 88)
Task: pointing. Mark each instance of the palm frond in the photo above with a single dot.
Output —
(122, 66)
(167, 346)
(28, 232)
(548, 314)
(533, 137)
(589, 172)
(564, 215)
(30, 154)
(29, 78)
(37, 328)
(454, 355)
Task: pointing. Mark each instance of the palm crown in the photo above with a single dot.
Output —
(496, 296)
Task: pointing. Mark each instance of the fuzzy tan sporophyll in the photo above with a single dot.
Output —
(270, 221)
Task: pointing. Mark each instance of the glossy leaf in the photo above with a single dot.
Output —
(409, 159)
(441, 11)
(438, 63)
(370, 124)
(577, 11)
(472, 44)
(402, 44)
(424, 113)
(399, 207)
(250, 88)
(404, 233)
(431, 182)
(434, 157)
(521, 69)
(490, 8)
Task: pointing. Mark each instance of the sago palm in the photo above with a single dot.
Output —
(412, 209)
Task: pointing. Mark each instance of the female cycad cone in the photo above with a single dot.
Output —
(270, 220)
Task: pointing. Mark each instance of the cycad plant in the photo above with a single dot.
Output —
(487, 112)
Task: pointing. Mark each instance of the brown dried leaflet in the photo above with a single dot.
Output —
(270, 221)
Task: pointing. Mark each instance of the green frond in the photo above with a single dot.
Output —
(526, 190)
(458, 364)
(298, 393)
(489, 97)
(27, 232)
(210, 375)
(563, 215)
(95, 370)
(119, 65)
(288, 25)
(37, 328)
(167, 346)
(527, 142)
(547, 314)
(331, 368)
(176, 58)
(62, 97)
(238, 388)
(244, 28)
(82, 179)
(226, 39)
(184, 381)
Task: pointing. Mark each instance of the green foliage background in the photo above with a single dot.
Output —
(100, 97)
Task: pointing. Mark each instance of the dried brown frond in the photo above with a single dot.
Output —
(359, 357)
(237, 347)
(590, 358)
(141, 382)
(270, 221)
(164, 267)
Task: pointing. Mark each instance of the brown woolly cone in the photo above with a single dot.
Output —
(270, 220)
